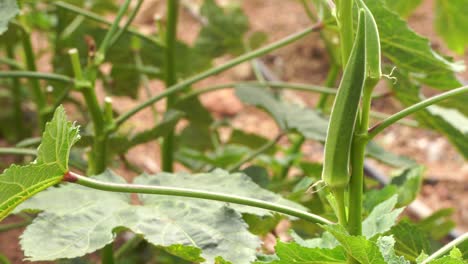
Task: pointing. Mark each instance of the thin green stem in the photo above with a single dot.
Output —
(100, 19)
(330, 82)
(446, 248)
(345, 24)
(128, 246)
(213, 71)
(39, 96)
(127, 24)
(17, 98)
(308, 11)
(182, 192)
(167, 147)
(107, 254)
(257, 152)
(376, 129)
(18, 151)
(382, 116)
(295, 148)
(263, 84)
(12, 63)
(36, 75)
(339, 194)
(106, 42)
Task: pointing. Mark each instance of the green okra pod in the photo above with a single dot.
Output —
(336, 172)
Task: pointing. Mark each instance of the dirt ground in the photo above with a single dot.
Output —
(306, 62)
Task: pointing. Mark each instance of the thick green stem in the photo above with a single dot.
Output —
(446, 248)
(17, 98)
(376, 129)
(345, 23)
(98, 154)
(39, 96)
(358, 151)
(170, 79)
(182, 192)
(213, 71)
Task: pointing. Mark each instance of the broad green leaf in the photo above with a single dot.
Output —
(19, 183)
(289, 253)
(253, 141)
(410, 51)
(8, 10)
(288, 117)
(381, 154)
(382, 218)
(439, 224)
(403, 7)
(373, 198)
(386, 246)
(223, 31)
(408, 183)
(76, 220)
(451, 22)
(408, 94)
(363, 250)
(411, 241)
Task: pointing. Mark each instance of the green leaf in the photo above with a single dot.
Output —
(252, 141)
(8, 10)
(403, 7)
(289, 253)
(77, 220)
(363, 250)
(410, 51)
(408, 184)
(382, 218)
(223, 32)
(411, 241)
(386, 246)
(454, 257)
(451, 21)
(381, 154)
(447, 124)
(439, 224)
(19, 183)
(288, 117)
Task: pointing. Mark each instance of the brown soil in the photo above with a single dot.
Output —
(305, 61)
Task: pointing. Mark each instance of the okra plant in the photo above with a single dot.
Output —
(232, 192)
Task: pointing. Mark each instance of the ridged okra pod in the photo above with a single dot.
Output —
(336, 172)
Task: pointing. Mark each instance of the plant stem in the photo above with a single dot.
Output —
(446, 248)
(100, 19)
(111, 33)
(257, 152)
(262, 84)
(11, 62)
(17, 98)
(36, 75)
(128, 246)
(18, 151)
(182, 192)
(39, 96)
(98, 154)
(339, 194)
(295, 148)
(330, 82)
(8, 227)
(129, 21)
(167, 147)
(376, 129)
(406, 122)
(345, 24)
(107, 254)
(213, 71)
(358, 151)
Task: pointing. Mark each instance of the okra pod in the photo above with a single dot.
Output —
(336, 172)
